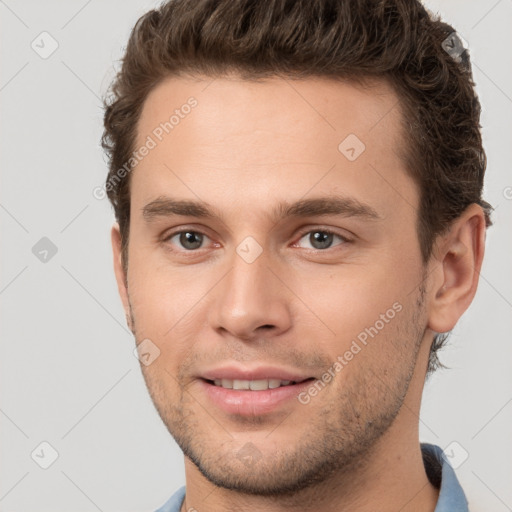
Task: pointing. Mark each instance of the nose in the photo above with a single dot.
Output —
(251, 301)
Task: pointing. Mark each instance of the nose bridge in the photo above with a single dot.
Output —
(250, 296)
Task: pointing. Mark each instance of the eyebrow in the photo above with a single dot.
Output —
(164, 206)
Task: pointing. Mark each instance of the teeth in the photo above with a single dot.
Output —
(241, 384)
(227, 383)
(274, 383)
(258, 385)
(253, 385)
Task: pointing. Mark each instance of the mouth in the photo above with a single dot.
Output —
(254, 385)
(258, 397)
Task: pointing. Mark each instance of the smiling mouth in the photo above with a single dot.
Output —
(253, 385)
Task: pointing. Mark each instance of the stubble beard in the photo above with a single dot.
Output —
(339, 441)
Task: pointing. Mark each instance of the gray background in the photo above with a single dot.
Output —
(68, 374)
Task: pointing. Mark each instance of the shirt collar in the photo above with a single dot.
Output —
(442, 476)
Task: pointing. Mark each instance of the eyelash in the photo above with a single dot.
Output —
(343, 238)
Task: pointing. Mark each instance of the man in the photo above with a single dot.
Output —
(298, 190)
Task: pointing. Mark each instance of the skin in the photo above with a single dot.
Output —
(244, 148)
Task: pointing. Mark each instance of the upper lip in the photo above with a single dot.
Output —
(259, 373)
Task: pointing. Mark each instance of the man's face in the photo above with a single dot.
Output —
(252, 293)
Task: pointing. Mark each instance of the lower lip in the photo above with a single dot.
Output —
(252, 403)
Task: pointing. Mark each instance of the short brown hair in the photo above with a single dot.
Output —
(394, 40)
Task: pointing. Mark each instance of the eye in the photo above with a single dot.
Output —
(188, 239)
(320, 239)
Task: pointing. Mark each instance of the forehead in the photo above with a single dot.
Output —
(324, 104)
(245, 139)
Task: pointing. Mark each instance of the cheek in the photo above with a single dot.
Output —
(351, 298)
(164, 299)
(165, 309)
(369, 312)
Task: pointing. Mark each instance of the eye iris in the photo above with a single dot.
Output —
(190, 240)
(321, 239)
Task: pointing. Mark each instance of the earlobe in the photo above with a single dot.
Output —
(460, 255)
(121, 278)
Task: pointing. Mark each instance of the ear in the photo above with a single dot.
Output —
(121, 277)
(459, 255)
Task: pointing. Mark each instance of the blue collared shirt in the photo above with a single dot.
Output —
(439, 472)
